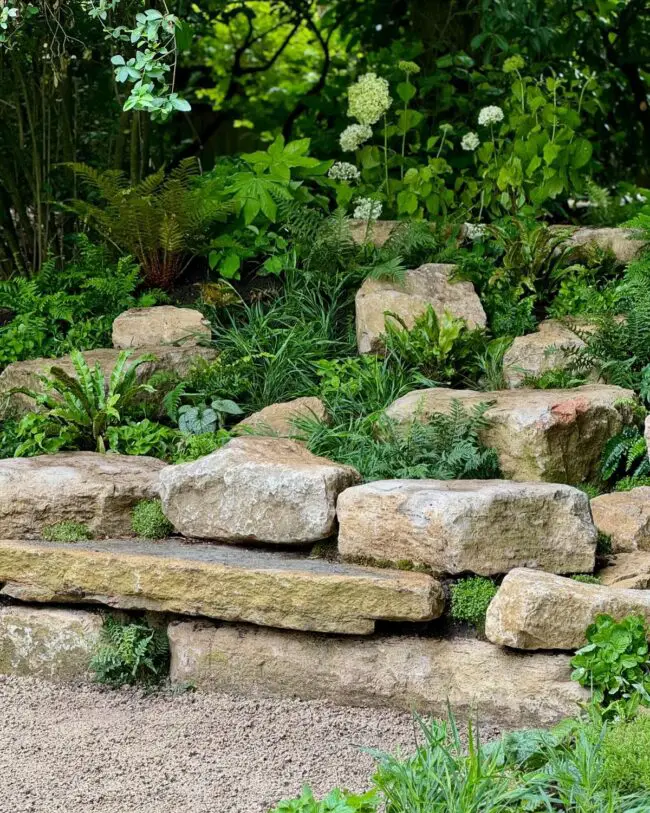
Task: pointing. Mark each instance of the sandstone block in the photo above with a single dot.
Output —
(162, 324)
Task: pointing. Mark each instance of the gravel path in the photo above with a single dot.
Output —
(88, 750)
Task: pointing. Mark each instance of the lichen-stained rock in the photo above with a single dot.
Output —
(278, 419)
(160, 325)
(549, 348)
(625, 244)
(99, 490)
(256, 489)
(625, 517)
(413, 673)
(629, 571)
(429, 285)
(537, 610)
(26, 374)
(552, 435)
(47, 643)
(271, 588)
(479, 526)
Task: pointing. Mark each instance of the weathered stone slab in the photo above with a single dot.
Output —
(552, 435)
(412, 673)
(234, 584)
(625, 516)
(540, 352)
(26, 373)
(160, 325)
(625, 244)
(47, 643)
(279, 419)
(99, 490)
(537, 610)
(256, 489)
(629, 571)
(429, 285)
(478, 526)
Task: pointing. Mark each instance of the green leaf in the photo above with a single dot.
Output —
(581, 151)
(406, 91)
(551, 152)
(229, 267)
(407, 202)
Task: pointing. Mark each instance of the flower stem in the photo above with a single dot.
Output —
(386, 157)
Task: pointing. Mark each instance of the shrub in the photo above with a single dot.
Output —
(470, 599)
(626, 755)
(149, 522)
(130, 653)
(66, 531)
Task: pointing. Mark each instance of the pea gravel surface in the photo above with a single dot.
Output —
(85, 749)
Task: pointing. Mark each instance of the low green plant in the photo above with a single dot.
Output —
(590, 489)
(586, 578)
(625, 456)
(558, 379)
(149, 522)
(66, 531)
(143, 437)
(36, 433)
(338, 801)
(200, 419)
(628, 483)
(603, 544)
(626, 755)
(470, 599)
(615, 664)
(191, 447)
(130, 653)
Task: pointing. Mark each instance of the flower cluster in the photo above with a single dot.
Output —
(470, 142)
(368, 99)
(513, 64)
(354, 136)
(408, 67)
(490, 115)
(343, 171)
(474, 231)
(367, 209)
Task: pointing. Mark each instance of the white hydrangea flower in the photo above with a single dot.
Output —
(490, 115)
(470, 142)
(354, 136)
(343, 171)
(368, 99)
(367, 209)
(475, 231)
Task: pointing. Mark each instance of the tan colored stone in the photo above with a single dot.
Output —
(630, 571)
(540, 352)
(160, 325)
(218, 581)
(376, 232)
(625, 516)
(26, 374)
(537, 610)
(412, 673)
(47, 643)
(552, 435)
(99, 490)
(429, 285)
(256, 489)
(278, 419)
(625, 244)
(479, 526)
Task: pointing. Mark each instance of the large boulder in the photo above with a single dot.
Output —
(47, 643)
(629, 571)
(270, 588)
(478, 526)
(99, 490)
(429, 285)
(409, 672)
(625, 244)
(625, 517)
(549, 348)
(552, 435)
(537, 610)
(25, 374)
(279, 419)
(163, 324)
(256, 489)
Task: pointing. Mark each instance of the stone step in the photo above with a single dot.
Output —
(413, 673)
(537, 610)
(627, 570)
(479, 526)
(218, 581)
(553, 435)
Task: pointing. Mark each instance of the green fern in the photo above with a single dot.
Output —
(130, 653)
(626, 456)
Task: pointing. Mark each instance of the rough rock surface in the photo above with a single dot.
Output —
(625, 516)
(99, 490)
(376, 232)
(428, 285)
(278, 419)
(625, 244)
(479, 526)
(53, 644)
(256, 489)
(162, 324)
(218, 581)
(627, 570)
(552, 435)
(537, 610)
(404, 672)
(540, 352)
(26, 373)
